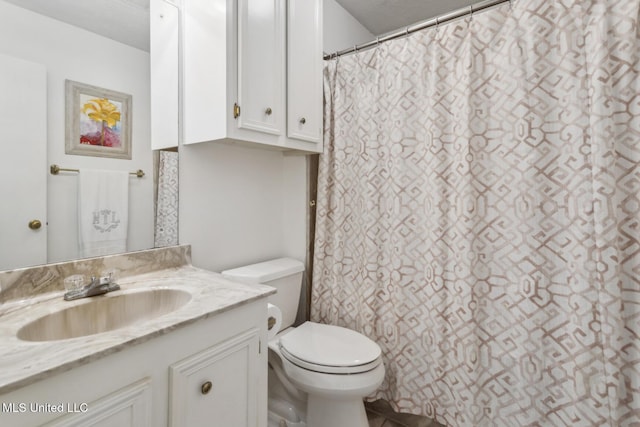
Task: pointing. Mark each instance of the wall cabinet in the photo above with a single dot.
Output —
(212, 372)
(251, 70)
(261, 56)
(304, 71)
(164, 26)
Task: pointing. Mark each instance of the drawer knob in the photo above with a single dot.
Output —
(268, 111)
(303, 121)
(206, 387)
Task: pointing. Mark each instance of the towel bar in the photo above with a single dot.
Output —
(55, 169)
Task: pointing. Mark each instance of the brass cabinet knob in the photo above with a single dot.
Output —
(206, 387)
(303, 121)
(268, 111)
(35, 224)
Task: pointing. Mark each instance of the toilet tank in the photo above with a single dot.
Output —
(284, 274)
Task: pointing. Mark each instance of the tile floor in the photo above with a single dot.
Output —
(381, 414)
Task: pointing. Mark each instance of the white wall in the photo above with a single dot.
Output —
(68, 52)
(295, 203)
(236, 204)
(341, 29)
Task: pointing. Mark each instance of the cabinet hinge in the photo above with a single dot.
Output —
(259, 347)
(236, 110)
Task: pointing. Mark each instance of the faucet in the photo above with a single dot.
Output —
(97, 286)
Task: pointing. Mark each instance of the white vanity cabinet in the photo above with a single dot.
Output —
(160, 382)
(252, 71)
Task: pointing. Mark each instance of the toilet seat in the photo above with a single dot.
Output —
(329, 349)
(326, 369)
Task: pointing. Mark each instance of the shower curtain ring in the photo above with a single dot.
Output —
(437, 23)
(471, 12)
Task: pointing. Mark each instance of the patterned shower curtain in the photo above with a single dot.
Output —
(166, 229)
(479, 214)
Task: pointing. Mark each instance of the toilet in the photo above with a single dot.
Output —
(318, 374)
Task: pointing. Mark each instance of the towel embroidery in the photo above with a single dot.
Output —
(109, 221)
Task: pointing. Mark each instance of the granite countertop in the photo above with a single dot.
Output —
(23, 362)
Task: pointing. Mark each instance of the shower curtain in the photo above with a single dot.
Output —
(166, 228)
(478, 214)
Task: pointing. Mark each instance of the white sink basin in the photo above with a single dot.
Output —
(103, 314)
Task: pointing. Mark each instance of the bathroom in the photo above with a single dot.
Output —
(241, 203)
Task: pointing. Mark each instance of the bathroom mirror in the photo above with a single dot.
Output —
(102, 43)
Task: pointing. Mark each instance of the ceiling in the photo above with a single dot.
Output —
(127, 21)
(384, 16)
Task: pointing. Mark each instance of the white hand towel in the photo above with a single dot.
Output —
(103, 212)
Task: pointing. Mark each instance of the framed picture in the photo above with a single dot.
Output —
(98, 121)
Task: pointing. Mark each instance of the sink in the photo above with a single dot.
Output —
(104, 313)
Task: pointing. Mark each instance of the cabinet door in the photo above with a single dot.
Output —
(217, 386)
(164, 74)
(261, 82)
(304, 70)
(128, 407)
(204, 70)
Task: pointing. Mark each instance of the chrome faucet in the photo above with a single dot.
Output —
(97, 286)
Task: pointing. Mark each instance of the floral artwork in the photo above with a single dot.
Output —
(98, 121)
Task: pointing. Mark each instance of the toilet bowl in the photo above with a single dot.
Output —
(336, 368)
(319, 374)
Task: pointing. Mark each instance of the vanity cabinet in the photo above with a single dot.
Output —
(210, 372)
(252, 72)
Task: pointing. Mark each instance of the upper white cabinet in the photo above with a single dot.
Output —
(251, 70)
(304, 70)
(204, 66)
(164, 26)
(261, 71)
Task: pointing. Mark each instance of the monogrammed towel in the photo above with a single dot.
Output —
(103, 212)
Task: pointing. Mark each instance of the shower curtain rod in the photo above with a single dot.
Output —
(433, 22)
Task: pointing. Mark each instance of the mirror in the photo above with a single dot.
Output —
(63, 51)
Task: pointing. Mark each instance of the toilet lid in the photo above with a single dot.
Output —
(331, 349)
